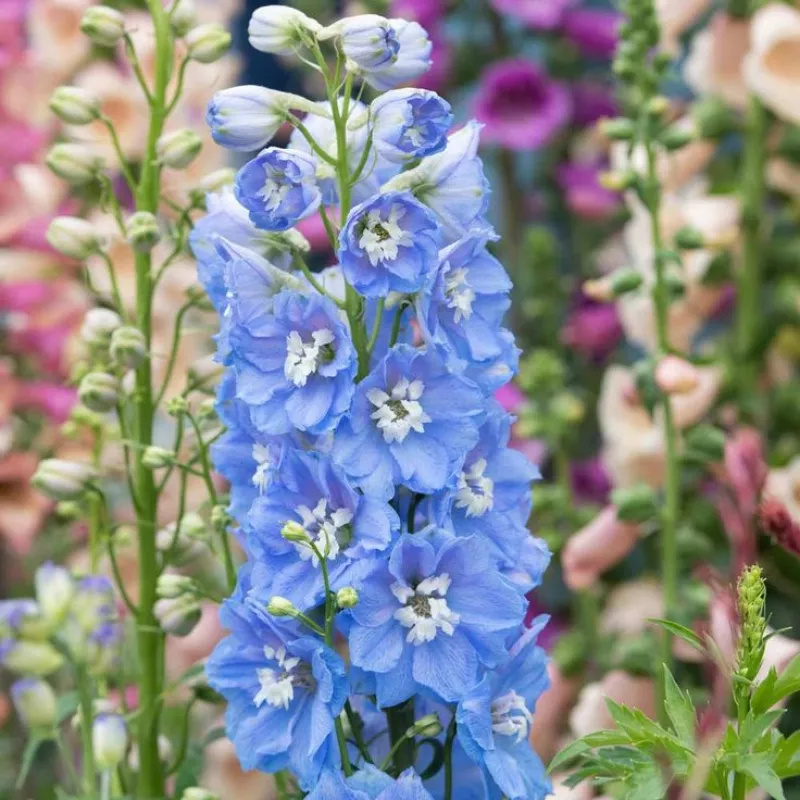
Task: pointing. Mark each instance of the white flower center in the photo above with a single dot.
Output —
(274, 193)
(460, 295)
(381, 239)
(510, 716)
(278, 682)
(475, 491)
(263, 461)
(414, 133)
(304, 358)
(401, 412)
(424, 609)
(328, 530)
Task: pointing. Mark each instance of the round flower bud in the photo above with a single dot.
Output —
(178, 615)
(429, 725)
(98, 325)
(99, 391)
(620, 129)
(179, 148)
(35, 702)
(105, 26)
(73, 237)
(624, 281)
(189, 543)
(706, 443)
(675, 375)
(198, 793)
(30, 658)
(677, 137)
(74, 105)
(182, 16)
(164, 753)
(637, 504)
(157, 457)
(75, 163)
(294, 532)
(171, 585)
(280, 30)
(69, 510)
(142, 231)
(689, 238)
(63, 480)
(128, 347)
(128, 383)
(55, 589)
(347, 597)
(208, 43)
(281, 607)
(109, 740)
(177, 406)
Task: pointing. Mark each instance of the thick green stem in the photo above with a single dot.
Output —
(748, 300)
(669, 520)
(149, 636)
(87, 719)
(448, 758)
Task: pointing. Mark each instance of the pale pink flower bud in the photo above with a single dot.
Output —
(675, 375)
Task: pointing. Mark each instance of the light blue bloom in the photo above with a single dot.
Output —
(452, 184)
(491, 375)
(412, 422)
(413, 58)
(369, 783)
(464, 307)
(368, 40)
(295, 367)
(409, 124)
(432, 616)
(278, 187)
(284, 690)
(492, 495)
(388, 244)
(246, 117)
(353, 529)
(494, 721)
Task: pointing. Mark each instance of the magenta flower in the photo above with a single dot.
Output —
(585, 196)
(593, 31)
(520, 106)
(51, 399)
(592, 101)
(428, 13)
(542, 15)
(593, 329)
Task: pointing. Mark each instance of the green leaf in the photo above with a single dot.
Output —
(646, 783)
(761, 699)
(571, 751)
(759, 768)
(755, 726)
(606, 738)
(680, 710)
(787, 756)
(67, 705)
(773, 690)
(681, 631)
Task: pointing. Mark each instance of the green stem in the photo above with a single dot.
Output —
(448, 758)
(400, 719)
(87, 719)
(748, 299)
(149, 636)
(354, 727)
(661, 299)
(742, 710)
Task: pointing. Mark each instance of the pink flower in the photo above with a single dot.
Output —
(593, 31)
(593, 329)
(435, 79)
(586, 197)
(675, 375)
(597, 547)
(521, 107)
(545, 15)
(428, 13)
(510, 396)
(591, 102)
(51, 399)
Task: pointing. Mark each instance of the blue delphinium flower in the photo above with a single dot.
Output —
(492, 374)
(278, 187)
(284, 690)
(492, 497)
(388, 244)
(353, 529)
(494, 721)
(452, 183)
(411, 423)
(368, 40)
(409, 124)
(370, 783)
(296, 366)
(432, 616)
(246, 117)
(464, 307)
(413, 58)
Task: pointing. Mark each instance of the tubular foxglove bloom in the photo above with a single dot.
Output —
(412, 422)
(278, 187)
(371, 481)
(432, 617)
(409, 124)
(388, 244)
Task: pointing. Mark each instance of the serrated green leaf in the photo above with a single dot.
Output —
(755, 726)
(571, 751)
(761, 699)
(773, 690)
(606, 738)
(687, 634)
(680, 710)
(787, 756)
(646, 783)
(759, 768)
